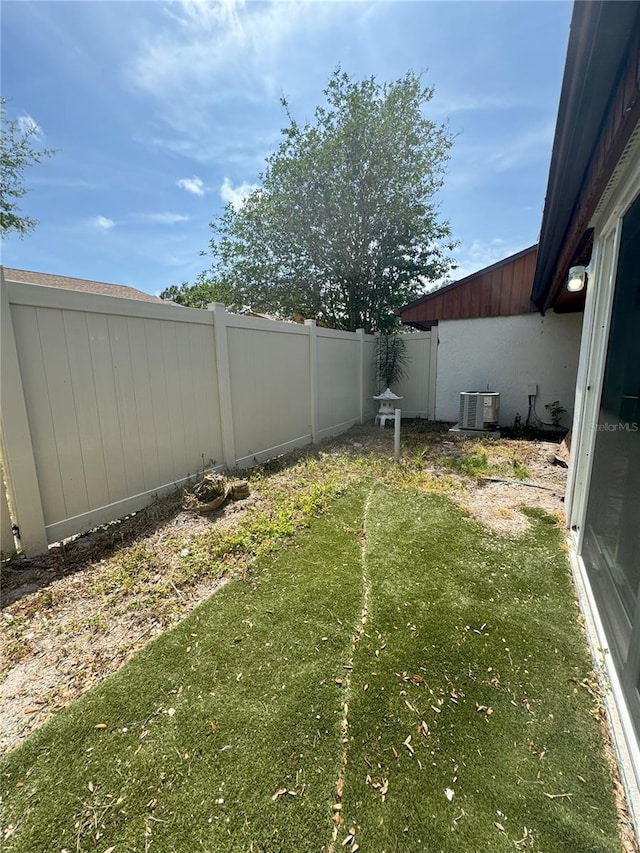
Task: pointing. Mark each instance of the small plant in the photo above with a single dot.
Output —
(520, 471)
(391, 358)
(556, 411)
(472, 464)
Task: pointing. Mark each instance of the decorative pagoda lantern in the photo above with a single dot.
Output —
(388, 405)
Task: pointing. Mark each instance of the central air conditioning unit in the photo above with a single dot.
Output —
(479, 410)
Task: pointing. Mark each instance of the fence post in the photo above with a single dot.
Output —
(15, 434)
(224, 384)
(313, 377)
(360, 334)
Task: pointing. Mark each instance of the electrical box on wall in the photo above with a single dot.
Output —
(532, 389)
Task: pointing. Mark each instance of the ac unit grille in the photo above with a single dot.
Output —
(479, 410)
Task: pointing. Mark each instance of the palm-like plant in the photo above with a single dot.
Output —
(391, 359)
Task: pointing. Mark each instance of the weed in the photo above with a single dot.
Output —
(472, 464)
(127, 570)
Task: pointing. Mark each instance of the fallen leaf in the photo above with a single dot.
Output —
(498, 826)
(407, 743)
(31, 710)
(100, 726)
(449, 794)
(279, 793)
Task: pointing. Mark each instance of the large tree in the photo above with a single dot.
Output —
(345, 226)
(17, 153)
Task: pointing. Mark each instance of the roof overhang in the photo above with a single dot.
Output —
(600, 35)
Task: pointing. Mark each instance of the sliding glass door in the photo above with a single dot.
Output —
(611, 545)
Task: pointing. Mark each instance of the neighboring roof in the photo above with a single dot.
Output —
(499, 290)
(85, 285)
(599, 107)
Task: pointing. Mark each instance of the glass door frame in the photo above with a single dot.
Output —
(607, 224)
(620, 194)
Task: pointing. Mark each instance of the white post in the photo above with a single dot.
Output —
(313, 377)
(224, 383)
(15, 434)
(360, 334)
(396, 435)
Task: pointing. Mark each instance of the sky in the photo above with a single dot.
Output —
(162, 112)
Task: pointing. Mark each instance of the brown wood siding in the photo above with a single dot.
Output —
(621, 119)
(498, 291)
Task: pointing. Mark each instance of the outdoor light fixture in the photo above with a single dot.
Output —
(577, 279)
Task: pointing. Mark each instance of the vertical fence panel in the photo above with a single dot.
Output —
(369, 376)
(269, 364)
(86, 409)
(15, 435)
(338, 381)
(417, 388)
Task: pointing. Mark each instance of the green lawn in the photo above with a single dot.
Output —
(453, 654)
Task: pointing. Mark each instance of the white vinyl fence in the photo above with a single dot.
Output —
(107, 402)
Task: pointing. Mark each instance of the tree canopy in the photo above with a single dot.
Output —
(16, 154)
(202, 293)
(345, 226)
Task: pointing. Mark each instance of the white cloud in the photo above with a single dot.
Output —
(28, 125)
(164, 218)
(525, 147)
(102, 222)
(443, 105)
(212, 53)
(193, 185)
(235, 196)
(207, 41)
